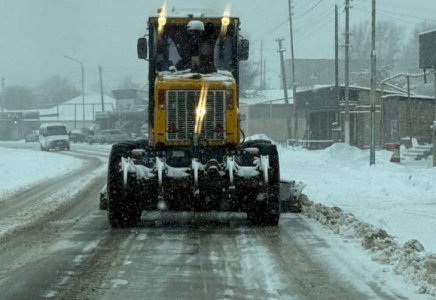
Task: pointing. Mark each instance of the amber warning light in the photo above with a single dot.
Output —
(162, 20)
(225, 21)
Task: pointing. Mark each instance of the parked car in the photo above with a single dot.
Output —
(108, 136)
(53, 136)
(32, 137)
(77, 136)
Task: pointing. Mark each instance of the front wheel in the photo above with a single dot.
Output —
(268, 213)
(123, 208)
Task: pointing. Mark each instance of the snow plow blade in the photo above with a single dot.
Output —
(290, 194)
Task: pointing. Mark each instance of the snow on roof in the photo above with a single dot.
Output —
(51, 124)
(195, 12)
(399, 95)
(429, 31)
(66, 109)
(265, 97)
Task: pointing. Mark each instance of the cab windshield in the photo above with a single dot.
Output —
(177, 45)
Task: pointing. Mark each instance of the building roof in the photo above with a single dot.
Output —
(66, 109)
(264, 97)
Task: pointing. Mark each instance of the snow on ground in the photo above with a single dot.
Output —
(21, 168)
(400, 198)
(390, 209)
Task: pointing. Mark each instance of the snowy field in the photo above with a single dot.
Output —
(21, 168)
(399, 198)
(387, 210)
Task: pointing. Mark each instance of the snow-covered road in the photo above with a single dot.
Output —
(201, 255)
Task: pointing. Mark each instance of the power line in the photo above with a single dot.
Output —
(320, 24)
(386, 12)
(310, 9)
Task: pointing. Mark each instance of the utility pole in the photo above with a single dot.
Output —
(83, 95)
(83, 86)
(101, 89)
(337, 53)
(294, 86)
(285, 90)
(434, 123)
(261, 66)
(347, 73)
(264, 74)
(75, 116)
(373, 82)
(408, 119)
(3, 94)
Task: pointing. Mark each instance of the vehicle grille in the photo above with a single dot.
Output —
(181, 106)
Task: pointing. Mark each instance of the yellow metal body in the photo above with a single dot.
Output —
(157, 133)
(163, 83)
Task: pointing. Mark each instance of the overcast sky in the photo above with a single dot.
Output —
(36, 34)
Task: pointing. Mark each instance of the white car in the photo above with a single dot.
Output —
(53, 136)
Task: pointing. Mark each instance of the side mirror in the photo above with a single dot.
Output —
(244, 49)
(142, 48)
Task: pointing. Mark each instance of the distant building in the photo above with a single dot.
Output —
(129, 98)
(264, 112)
(320, 113)
(71, 112)
(403, 118)
(15, 125)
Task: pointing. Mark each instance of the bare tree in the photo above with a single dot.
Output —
(409, 56)
(388, 44)
(128, 83)
(389, 40)
(17, 97)
(55, 90)
(248, 75)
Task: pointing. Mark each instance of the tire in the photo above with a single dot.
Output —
(268, 213)
(123, 208)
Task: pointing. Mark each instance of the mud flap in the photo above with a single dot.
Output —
(290, 194)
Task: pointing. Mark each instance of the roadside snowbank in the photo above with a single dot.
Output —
(20, 168)
(388, 209)
(400, 198)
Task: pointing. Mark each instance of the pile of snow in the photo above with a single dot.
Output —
(409, 260)
(399, 198)
(20, 168)
(389, 209)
